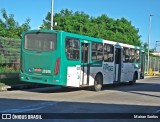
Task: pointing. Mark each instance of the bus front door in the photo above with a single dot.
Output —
(117, 64)
(85, 63)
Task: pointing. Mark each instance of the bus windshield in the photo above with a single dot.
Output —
(40, 41)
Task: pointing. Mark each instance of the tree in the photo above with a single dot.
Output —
(10, 27)
(120, 30)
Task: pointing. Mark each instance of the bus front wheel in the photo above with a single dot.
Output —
(98, 82)
(134, 80)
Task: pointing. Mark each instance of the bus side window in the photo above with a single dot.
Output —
(97, 51)
(108, 53)
(137, 55)
(72, 48)
(132, 55)
(126, 55)
(94, 51)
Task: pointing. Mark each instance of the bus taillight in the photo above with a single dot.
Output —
(57, 65)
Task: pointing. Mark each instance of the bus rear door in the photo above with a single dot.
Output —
(85, 62)
(118, 64)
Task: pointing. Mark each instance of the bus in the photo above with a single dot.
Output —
(73, 60)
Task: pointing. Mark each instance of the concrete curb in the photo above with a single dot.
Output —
(146, 77)
(22, 87)
(4, 88)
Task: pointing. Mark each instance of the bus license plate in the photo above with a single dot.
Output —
(37, 70)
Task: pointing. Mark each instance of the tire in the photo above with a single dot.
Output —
(134, 80)
(98, 83)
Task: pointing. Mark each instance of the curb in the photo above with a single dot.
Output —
(146, 77)
(25, 86)
(5, 88)
(22, 87)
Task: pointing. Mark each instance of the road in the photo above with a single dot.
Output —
(143, 97)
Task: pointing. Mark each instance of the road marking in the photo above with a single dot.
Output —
(158, 111)
(30, 108)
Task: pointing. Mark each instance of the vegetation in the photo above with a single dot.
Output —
(10, 34)
(9, 50)
(9, 69)
(10, 28)
(120, 30)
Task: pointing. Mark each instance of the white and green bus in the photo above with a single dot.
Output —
(73, 60)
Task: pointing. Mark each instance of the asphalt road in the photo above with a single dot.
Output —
(143, 97)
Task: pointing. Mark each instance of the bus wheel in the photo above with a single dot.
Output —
(98, 82)
(134, 80)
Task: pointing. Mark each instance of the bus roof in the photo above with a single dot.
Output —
(121, 44)
(89, 38)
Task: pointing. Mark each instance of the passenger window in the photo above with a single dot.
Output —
(72, 48)
(108, 53)
(137, 56)
(132, 55)
(97, 51)
(126, 55)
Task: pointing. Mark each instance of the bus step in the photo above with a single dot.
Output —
(116, 82)
(85, 85)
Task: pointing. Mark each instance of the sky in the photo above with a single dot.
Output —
(136, 11)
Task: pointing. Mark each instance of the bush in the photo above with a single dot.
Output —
(9, 50)
(9, 69)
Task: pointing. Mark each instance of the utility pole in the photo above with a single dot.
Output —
(149, 40)
(52, 4)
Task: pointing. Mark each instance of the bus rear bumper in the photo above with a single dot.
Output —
(40, 79)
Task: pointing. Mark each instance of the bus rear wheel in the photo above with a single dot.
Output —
(98, 82)
(134, 80)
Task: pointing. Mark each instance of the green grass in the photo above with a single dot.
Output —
(2, 85)
(7, 69)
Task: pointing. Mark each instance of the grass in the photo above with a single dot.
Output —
(12, 81)
(7, 69)
(16, 81)
(2, 85)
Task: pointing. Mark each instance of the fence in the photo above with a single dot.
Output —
(9, 54)
(154, 65)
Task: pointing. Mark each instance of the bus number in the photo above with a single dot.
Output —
(106, 67)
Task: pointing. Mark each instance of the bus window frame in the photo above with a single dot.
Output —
(96, 51)
(124, 54)
(108, 52)
(68, 37)
(132, 57)
(24, 44)
(136, 56)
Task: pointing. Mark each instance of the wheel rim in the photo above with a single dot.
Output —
(98, 86)
(98, 83)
